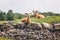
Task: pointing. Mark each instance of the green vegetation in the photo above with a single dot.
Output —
(9, 15)
(1, 22)
(47, 19)
(17, 17)
(1, 38)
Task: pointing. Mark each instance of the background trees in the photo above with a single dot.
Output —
(2, 15)
(12, 16)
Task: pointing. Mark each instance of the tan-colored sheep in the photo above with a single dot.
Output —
(26, 20)
(37, 15)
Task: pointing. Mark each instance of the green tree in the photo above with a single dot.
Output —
(10, 15)
(1, 15)
(5, 16)
(18, 16)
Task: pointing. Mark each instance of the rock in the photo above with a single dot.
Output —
(2, 34)
(21, 25)
(28, 33)
(56, 26)
(11, 31)
(1, 28)
(46, 25)
(35, 25)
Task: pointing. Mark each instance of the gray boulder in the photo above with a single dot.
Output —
(34, 25)
(56, 26)
(46, 25)
(21, 25)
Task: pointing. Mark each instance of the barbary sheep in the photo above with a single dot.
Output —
(37, 15)
(26, 20)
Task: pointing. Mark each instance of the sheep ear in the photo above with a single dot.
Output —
(33, 10)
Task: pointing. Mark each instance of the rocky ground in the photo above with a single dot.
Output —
(30, 32)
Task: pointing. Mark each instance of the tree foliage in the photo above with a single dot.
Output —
(10, 15)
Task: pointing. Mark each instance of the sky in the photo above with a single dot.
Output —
(26, 6)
